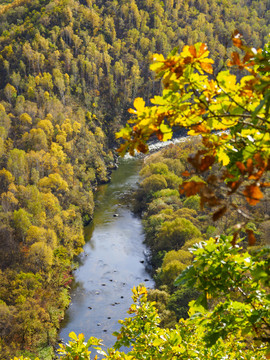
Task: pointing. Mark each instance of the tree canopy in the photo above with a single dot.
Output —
(230, 112)
(230, 318)
(69, 70)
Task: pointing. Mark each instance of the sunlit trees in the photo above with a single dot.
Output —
(10, 92)
(40, 256)
(154, 183)
(201, 104)
(234, 283)
(69, 70)
(173, 234)
(17, 165)
(22, 222)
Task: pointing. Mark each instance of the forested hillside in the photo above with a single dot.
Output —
(69, 71)
(174, 223)
(227, 175)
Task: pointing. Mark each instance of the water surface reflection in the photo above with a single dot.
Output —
(112, 262)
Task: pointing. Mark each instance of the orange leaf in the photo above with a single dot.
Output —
(200, 129)
(235, 59)
(256, 176)
(208, 197)
(253, 194)
(186, 173)
(250, 166)
(206, 162)
(236, 38)
(190, 188)
(179, 69)
(260, 162)
(234, 185)
(122, 148)
(265, 184)
(202, 50)
(251, 237)
(188, 60)
(159, 135)
(237, 42)
(241, 167)
(247, 57)
(206, 67)
(201, 163)
(192, 50)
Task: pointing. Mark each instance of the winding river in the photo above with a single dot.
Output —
(112, 263)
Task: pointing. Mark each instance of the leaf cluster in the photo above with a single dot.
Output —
(231, 116)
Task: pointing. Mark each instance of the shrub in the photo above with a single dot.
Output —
(174, 234)
(154, 183)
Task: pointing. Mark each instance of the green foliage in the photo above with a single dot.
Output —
(192, 202)
(77, 348)
(180, 299)
(162, 212)
(40, 255)
(194, 100)
(69, 69)
(173, 234)
(233, 306)
(154, 183)
(154, 168)
(168, 273)
(22, 221)
(161, 298)
(166, 193)
(147, 340)
(239, 278)
(146, 321)
(10, 92)
(184, 256)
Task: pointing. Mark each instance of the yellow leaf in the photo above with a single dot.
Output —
(80, 336)
(72, 335)
(158, 57)
(132, 111)
(157, 342)
(223, 157)
(167, 136)
(124, 133)
(139, 104)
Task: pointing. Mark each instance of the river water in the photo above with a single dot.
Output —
(112, 263)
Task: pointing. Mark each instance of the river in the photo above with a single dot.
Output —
(112, 263)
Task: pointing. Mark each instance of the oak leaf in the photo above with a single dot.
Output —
(186, 173)
(236, 38)
(190, 188)
(206, 67)
(253, 194)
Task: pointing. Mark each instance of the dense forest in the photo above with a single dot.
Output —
(174, 223)
(227, 175)
(69, 72)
